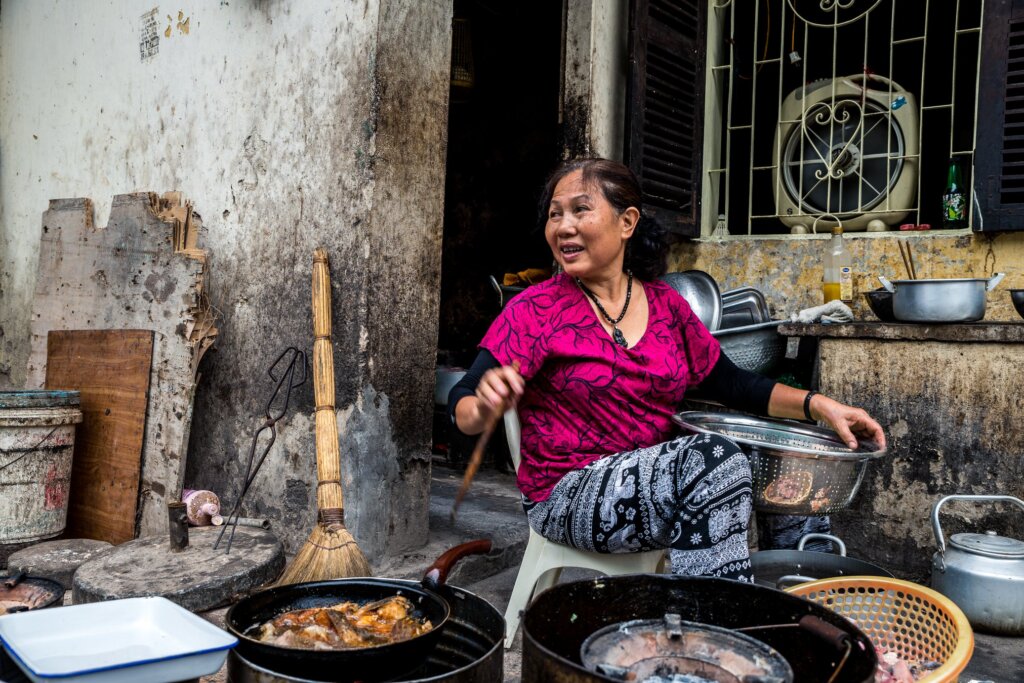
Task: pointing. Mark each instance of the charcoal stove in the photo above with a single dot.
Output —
(817, 644)
(469, 651)
(667, 649)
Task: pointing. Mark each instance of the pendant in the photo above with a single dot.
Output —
(618, 337)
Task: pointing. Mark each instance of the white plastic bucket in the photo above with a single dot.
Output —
(37, 442)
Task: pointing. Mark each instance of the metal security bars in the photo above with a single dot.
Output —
(820, 112)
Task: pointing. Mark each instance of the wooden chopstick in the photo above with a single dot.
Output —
(474, 461)
(909, 258)
(478, 455)
(903, 255)
(907, 263)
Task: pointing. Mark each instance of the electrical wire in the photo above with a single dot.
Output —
(792, 35)
(767, 37)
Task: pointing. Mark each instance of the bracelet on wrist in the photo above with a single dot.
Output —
(807, 405)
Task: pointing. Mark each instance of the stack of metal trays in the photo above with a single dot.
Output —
(744, 306)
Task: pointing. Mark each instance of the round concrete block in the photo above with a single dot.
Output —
(198, 578)
(8, 549)
(56, 560)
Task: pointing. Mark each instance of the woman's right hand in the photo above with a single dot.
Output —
(499, 389)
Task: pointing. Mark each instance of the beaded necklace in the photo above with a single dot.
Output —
(617, 335)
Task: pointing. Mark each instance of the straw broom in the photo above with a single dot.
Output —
(331, 551)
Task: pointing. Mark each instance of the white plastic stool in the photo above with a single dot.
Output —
(543, 560)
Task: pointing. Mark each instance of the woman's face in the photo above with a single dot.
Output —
(586, 234)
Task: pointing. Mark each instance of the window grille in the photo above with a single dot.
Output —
(837, 111)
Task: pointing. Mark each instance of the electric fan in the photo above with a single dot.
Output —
(846, 148)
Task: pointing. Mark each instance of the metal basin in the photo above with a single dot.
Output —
(828, 472)
(700, 291)
(943, 300)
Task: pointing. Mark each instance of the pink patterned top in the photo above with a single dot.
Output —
(587, 397)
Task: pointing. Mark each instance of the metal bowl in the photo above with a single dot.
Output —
(880, 301)
(1017, 297)
(700, 291)
(790, 449)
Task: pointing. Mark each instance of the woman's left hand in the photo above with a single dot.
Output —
(847, 421)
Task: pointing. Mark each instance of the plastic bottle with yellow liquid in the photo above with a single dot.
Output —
(837, 282)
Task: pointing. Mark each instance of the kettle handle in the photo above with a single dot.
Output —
(937, 527)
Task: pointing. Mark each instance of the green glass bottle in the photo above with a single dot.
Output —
(954, 200)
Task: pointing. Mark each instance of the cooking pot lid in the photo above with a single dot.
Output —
(989, 544)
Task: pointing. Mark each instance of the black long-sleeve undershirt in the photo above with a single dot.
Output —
(727, 383)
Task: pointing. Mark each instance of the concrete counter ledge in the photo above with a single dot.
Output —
(991, 332)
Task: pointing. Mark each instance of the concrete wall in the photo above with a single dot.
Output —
(952, 413)
(289, 125)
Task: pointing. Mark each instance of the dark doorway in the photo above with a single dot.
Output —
(503, 139)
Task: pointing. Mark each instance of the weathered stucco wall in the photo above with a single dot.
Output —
(952, 415)
(289, 126)
(789, 269)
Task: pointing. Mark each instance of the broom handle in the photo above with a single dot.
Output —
(329, 495)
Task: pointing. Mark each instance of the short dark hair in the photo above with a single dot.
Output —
(647, 249)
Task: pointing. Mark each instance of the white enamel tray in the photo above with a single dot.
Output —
(136, 639)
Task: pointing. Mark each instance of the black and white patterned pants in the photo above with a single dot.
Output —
(691, 495)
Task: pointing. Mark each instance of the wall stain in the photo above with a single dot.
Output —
(254, 149)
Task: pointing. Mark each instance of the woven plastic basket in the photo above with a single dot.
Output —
(910, 619)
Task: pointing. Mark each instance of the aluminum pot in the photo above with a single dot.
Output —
(943, 300)
(982, 573)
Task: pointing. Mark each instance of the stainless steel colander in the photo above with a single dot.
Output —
(781, 450)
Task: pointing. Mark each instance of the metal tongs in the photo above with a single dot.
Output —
(293, 363)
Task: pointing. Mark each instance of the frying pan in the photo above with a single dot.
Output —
(19, 588)
(381, 662)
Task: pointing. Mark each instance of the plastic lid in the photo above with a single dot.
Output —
(38, 399)
(989, 544)
(838, 230)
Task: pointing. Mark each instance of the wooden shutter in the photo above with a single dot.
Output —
(999, 154)
(665, 108)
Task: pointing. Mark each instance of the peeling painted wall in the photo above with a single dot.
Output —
(289, 126)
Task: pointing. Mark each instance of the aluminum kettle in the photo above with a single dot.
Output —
(982, 573)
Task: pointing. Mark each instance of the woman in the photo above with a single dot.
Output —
(596, 360)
